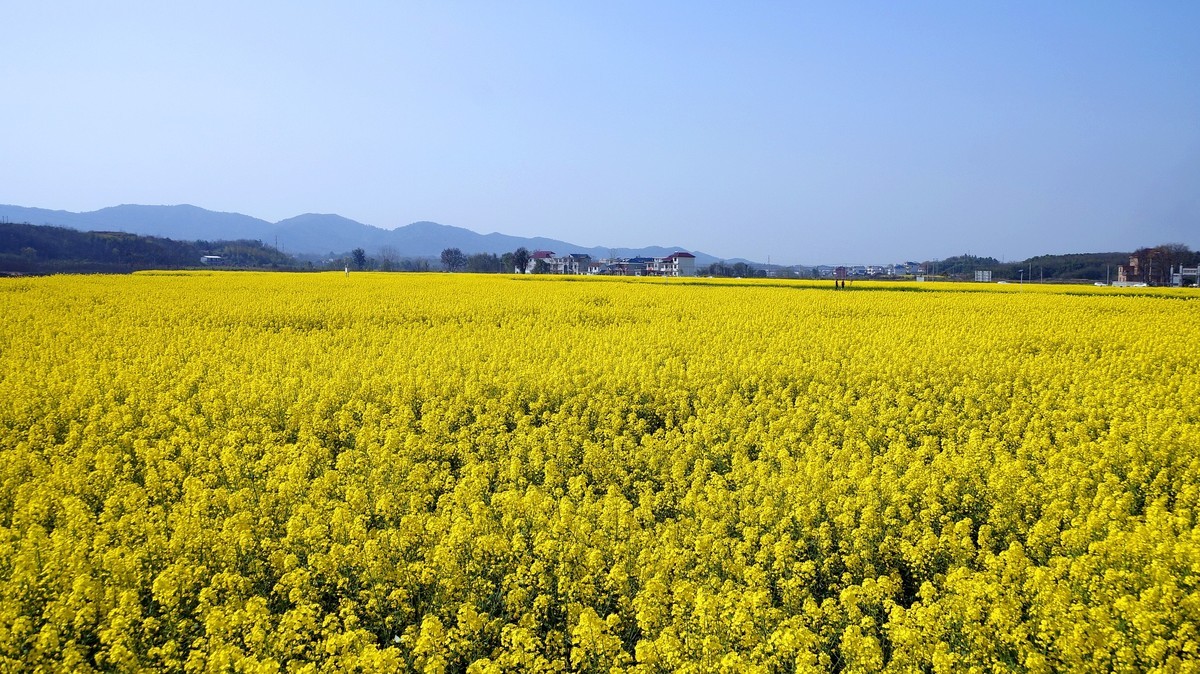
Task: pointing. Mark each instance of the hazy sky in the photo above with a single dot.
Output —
(807, 132)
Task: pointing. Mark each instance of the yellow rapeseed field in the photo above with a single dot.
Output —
(299, 473)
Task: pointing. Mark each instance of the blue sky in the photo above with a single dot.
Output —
(807, 132)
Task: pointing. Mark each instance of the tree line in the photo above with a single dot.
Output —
(42, 249)
(1155, 263)
(453, 259)
(450, 259)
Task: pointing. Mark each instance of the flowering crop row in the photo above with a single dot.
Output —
(255, 472)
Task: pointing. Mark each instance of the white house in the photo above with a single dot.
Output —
(680, 263)
(543, 255)
(575, 263)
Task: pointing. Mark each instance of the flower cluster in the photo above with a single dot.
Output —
(303, 473)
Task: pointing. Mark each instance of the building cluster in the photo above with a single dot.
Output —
(870, 270)
(1137, 274)
(1180, 274)
(680, 263)
(1132, 274)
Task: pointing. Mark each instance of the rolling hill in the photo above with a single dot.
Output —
(312, 234)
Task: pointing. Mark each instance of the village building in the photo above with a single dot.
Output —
(1180, 274)
(575, 263)
(676, 264)
(680, 263)
(543, 256)
(1129, 274)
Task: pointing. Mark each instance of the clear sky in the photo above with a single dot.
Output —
(807, 132)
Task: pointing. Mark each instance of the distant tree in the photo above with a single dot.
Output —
(521, 259)
(359, 257)
(1156, 262)
(484, 263)
(507, 263)
(453, 259)
(540, 267)
(740, 269)
(388, 257)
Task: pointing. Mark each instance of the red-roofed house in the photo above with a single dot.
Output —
(544, 255)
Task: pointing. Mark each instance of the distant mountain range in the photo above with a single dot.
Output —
(311, 234)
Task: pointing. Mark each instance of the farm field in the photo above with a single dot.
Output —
(438, 473)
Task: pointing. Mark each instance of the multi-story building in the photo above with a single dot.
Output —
(574, 263)
(680, 263)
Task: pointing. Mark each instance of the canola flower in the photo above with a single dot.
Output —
(436, 473)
